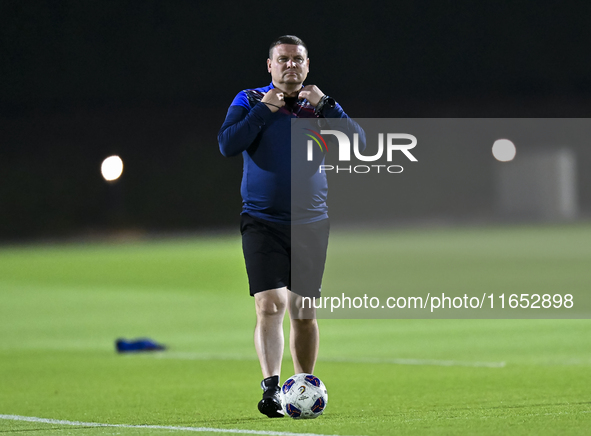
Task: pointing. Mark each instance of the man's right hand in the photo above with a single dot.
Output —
(274, 98)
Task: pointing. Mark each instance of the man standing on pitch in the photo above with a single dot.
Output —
(258, 126)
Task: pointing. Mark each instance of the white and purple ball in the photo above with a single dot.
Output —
(304, 396)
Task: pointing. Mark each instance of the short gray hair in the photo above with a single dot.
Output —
(287, 39)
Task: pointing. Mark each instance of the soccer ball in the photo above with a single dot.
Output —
(304, 396)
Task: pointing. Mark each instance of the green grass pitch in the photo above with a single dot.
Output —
(62, 307)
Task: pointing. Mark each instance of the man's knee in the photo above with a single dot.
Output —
(299, 310)
(271, 303)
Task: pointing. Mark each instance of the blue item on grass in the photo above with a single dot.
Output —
(137, 345)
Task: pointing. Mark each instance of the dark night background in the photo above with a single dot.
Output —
(151, 81)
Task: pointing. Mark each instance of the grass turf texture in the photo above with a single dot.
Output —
(62, 307)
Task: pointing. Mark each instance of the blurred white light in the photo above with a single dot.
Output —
(112, 168)
(503, 150)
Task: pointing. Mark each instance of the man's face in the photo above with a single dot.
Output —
(290, 64)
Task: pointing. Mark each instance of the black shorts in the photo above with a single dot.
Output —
(279, 255)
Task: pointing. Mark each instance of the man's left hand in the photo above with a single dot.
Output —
(311, 93)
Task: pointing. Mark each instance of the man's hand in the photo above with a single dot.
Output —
(274, 98)
(311, 93)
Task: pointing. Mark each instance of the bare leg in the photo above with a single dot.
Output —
(304, 335)
(268, 333)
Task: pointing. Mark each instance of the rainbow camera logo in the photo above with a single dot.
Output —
(317, 138)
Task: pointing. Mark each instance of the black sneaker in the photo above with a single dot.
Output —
(270, 405)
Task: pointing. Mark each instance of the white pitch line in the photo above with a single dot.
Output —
(153, 427)
(393, 361)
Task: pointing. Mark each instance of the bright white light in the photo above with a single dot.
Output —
(503, 150)
(112, 168)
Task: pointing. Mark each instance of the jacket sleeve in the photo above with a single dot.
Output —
(241, 127)
(349, 124)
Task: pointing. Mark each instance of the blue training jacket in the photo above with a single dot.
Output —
(264, 139)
